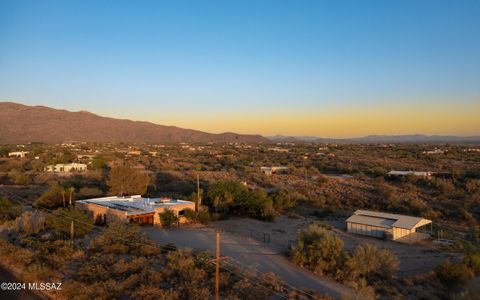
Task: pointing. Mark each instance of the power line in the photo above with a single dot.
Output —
(101, 229)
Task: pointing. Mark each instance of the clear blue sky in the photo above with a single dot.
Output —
(244, 65)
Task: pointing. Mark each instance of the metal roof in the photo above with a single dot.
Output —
(379, 222)
(134, 204)
(385, 219)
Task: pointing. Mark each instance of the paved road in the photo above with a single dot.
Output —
(248, 252)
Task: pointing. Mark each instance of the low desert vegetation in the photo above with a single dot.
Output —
(321, 251)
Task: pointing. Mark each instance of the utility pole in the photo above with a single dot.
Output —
(72, 232)
(70, 191)
(305, 167)
(199, 200)
(217, 268)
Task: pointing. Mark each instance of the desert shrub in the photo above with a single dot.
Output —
(168, 218)
(473, 186)
(472, 260)
(8, 210)
(284, 200)
(61, 221)
(17, 177)
(120, 238)
(54, 197)
(191, 215)
(29, 222)
(371, 261)
(317, 249)
(90, 192)
(204, 217)
(453, 275)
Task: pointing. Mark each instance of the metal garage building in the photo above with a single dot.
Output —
(399, 228)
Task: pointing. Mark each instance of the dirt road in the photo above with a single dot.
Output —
(249, 252)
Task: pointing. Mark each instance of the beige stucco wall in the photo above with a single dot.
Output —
(98, 210)
(175, 209)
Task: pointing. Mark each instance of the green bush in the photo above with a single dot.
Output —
(168, 218)
(284, 200)
(370, 261)
(191, 215)
(204, 217)
(453, 275)
(318, 250)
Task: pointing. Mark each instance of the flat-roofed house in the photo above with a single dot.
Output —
(66, 168)
(424, 174)
(135, 209)
(274, 170)
(399, 228)
(20, 154)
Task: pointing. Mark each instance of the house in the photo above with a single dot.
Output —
(20, 154)
(424, 174)
(274, 170)
(66, 168)
(435, 151)
(394, 227)
(134, 209)
(278, 149)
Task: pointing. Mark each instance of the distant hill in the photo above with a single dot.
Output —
(376, 139)
(22, 124)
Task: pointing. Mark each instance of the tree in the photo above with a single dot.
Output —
(223, 193)
(124, 180)
(98, 163)
(284, 200)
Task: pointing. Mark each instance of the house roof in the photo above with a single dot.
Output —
(381, 219)
(133, 205)
(405, 173)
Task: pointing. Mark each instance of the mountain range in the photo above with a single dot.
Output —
(22, 124)
(384, 139)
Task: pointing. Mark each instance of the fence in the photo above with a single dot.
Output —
(261, 236)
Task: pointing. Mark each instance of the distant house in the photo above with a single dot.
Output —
(424, 174)
(20, 154)
(435, 151)
(134, 152)
(274, 170)
(395, 227)
(134, 209)
(86, 156)
(66, 168)
(277, 149)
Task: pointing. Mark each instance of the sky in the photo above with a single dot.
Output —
(317, 68)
